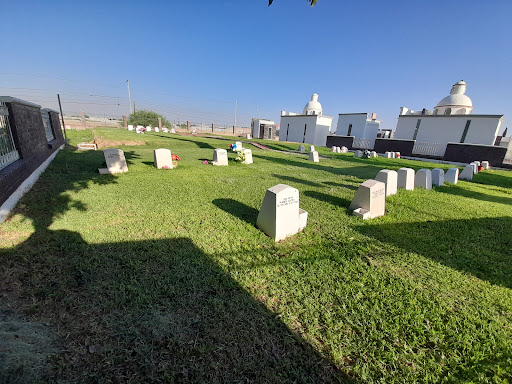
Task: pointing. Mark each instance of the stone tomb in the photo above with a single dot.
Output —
(452, 175)
(163, 158)
(302, 149)
(313, 156)
(220, 157)
(280, 215)
(406, 178)
(485, 165)
(371, 197)
(248, 156)
(467, 172)
(437, 177)
(390, 179)
(116, 162)
(423, 179)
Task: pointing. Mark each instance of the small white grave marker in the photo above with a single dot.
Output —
(248, 156)
(148, 128)
(373, 154)
(220, 157)
(370, 196)
(452, 175)
(390, 179)
(173, 130)
(302, 149)
(467, 172)
(406, 178)
(157, 129)
(423, 179)
(485, 165)
(116, 162)
(311, 148)
(163, 158)
(438, 177)
(238, 146)
(280, 215)
(248, 136)
(388, 155)
(130, 127)
(358, 154)
(333, 149)
(165, 130)
(313, 156)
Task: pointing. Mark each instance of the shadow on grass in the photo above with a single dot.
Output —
(491, 178)
(297, 180)
(200, 144)
(334, 200)
(143, 311)
(455, 190)
(452, 243)
(237, 209)
(341, 185)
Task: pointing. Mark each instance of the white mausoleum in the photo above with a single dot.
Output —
(263, 129)
(310, 127)
(451, 121)
(363, 126)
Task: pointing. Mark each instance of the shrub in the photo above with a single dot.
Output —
(144, 117)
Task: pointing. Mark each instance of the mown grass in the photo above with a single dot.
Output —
(161, 275)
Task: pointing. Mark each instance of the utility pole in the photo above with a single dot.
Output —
(62, 117)
(236, 106)
(134, 107)
(130, 97)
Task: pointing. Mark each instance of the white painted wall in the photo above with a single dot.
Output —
(255, 127)
(362, 126)
(317, 129)
(449, 129)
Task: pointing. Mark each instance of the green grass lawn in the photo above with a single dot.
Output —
(161, 275)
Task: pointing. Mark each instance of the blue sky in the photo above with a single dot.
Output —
(196, 57)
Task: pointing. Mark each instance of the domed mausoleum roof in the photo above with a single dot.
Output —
(457, 102)
(313, 107)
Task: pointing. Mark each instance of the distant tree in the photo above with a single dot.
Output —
(313, 2)
(144, 117)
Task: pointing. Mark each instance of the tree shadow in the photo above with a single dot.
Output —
(297, 180)
(463, 253)
(334, 200)
(200, 144)
(455, 190)
(491, 178)
(341, 185)
(138, 311)
(238, 209)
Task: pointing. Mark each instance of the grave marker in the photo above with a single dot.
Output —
(220, 157)
(311, 148)
(280, 215)
(163, 158)
(485, 165)
(438, 177)
(390, 179)
(302, 149)
(406, 178)
(370, 196)
(452, 175)
(423, 179)
(467, 172)
(116, 162)
(313, 156)
(248, 156)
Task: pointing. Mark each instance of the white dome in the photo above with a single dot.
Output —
(313, 107)
(455, 103)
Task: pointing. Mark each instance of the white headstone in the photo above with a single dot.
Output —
(344, 149)
(116, 162)
(397, 155)
(388, 155)
(467, 172)
(338, 150)
(163, 158)
(238, 146)
(248, 156)
(173, 130)
(220, 157)
(390, 179)
(406, 178)
(452, 175)
(393, 155)
(485, 165)
(373, 154)
(475, 165)
(438, 177)
(280, 215)
(302, 149)
(157, 129)
(313, 156)
(248, 136)
(130, 127)
(358, 154)
(311, 148)
(165, 130)
(137, 130)
(423, 179)
(333, 149)
(370, 196)
(148, 128)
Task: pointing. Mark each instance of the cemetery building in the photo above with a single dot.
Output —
(451, 121)
(311, 127)
(30, 137)
(263, 129)
(364, 127)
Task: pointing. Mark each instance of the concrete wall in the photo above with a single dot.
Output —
(466, 153)
(317, 129)
(358, 121)
(30, 140)
(483, 129)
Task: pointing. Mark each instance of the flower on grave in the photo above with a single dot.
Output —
(240, 156)
(175, 157)
(174, 163)
(165, 167)
(367, 154)
(205, 162)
